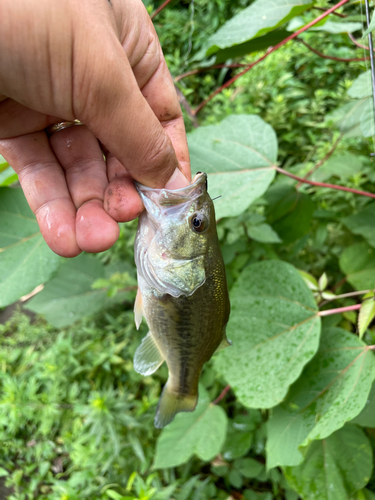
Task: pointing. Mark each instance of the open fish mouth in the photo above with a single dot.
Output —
(164, 196)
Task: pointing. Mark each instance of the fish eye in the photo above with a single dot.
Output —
(198, 223)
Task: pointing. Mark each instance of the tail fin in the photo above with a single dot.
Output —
(170, 404)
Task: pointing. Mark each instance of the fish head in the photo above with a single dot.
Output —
(178, 226)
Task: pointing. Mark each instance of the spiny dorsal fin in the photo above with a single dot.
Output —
(147, 357)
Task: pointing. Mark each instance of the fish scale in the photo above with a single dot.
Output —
(182, 291)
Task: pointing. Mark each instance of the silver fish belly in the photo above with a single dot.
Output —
(182, 291)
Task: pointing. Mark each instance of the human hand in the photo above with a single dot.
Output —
(98, 61)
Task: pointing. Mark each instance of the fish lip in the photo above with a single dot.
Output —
(199, 178)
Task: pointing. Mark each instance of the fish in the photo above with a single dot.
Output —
(182, 291)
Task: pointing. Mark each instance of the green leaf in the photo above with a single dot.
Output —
(275, 331)
(342, 166)
(371, 27)
(366, 313)
(3, 472)
(289, 211)
(25, 259)
(7, 176)
(362, 223)
(249, 467)
(348, 117)
(69, 295)
(256, 20)
(201, 433)
(332, 390)
(238, 442)
(335, 27)
(367, 118)
(269, 40)
(357, 262)
(239, 156)
(367, 416)
(362, 86)
(333, 468)
(263, 233)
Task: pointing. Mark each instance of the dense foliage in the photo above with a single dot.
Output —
(288, 411)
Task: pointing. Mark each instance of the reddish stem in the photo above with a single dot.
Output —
(160, 8)
(324, 56)
(357, 43)
(339, 310)
(269, 51)
(221, 395)
(325, 185)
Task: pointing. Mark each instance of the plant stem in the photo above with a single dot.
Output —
(221, 395)
(160, 8)
(324, 56)
(357, 43)
(269, 51)
(325, 185)
(344, 296)
(339, 310)
(334, 13)
(320, 163)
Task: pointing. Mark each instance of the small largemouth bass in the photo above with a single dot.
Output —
(182, 291)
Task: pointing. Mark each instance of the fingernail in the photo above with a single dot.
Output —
(177, 181)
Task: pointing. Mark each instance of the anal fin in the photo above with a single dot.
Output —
(172, 403)
(138, 309)
(223, 344)
(147, 357)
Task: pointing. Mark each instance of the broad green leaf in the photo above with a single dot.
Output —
(69, 295)
(256, 20)
(249, 467)
(239, 156)
(367, 118)
(289, 211)
(333, 468)
(3, 163)
(332, 390)
(7, 176)
(25, 259)
(367, 416)
(275, 331)
(363, 495)
(269, 40)
(348, 117)
(201, 433)
(263, 233)
(362, 223)
(343, 166)
(239, 439)
(361, 87)
(366, 313)
(357, 262)
(371, 27)
(334, 27)
(3, 472)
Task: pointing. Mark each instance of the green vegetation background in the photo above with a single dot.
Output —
(76, 421)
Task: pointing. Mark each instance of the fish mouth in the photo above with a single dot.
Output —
(164, 196)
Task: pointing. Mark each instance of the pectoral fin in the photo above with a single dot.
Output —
(147, 357)
(138, 309)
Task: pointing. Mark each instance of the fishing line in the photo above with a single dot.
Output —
(371, 50)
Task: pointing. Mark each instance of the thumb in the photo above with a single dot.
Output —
(110, 103)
